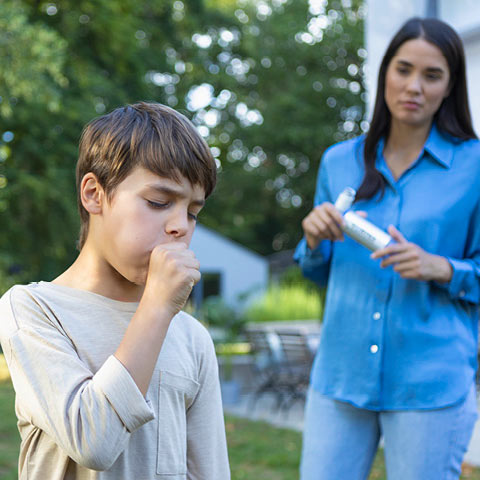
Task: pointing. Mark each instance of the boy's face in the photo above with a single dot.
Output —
(145, 210)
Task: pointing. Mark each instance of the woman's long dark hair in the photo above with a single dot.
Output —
(453, 116)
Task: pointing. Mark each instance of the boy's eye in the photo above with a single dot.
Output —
(160, 205)
(157, 204)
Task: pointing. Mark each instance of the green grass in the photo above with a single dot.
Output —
(259, 451)
(9, 437)
(256, 449)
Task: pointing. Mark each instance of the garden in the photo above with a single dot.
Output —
(242, 71)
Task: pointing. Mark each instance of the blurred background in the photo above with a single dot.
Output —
(270, 84)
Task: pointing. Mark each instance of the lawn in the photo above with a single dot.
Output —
(9, 438)
(256, 450)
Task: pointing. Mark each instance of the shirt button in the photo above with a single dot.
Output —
(462, 293)
(374, 348)
(376, 316)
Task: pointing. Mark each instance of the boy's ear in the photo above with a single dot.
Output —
(91, 194)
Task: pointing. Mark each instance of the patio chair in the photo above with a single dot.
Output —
(268, 366)
(298, 358)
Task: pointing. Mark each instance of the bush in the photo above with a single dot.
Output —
(214, 312)
(286, 302)
(9, 277)
(293, 276)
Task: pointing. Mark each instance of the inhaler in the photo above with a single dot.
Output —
(356, 227)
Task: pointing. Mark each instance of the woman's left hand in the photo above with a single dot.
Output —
(412, 262)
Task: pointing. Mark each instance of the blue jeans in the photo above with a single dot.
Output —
(340, 440)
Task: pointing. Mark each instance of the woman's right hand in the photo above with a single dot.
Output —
(322, 223)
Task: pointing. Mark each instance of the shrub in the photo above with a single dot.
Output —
(293, 276)
(286, 302)
(214, 312)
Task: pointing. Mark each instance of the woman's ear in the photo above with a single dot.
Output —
(91, 194)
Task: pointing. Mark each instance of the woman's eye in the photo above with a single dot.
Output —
(193, 216)
(402, 71)
(157, 204)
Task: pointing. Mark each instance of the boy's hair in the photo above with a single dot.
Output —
(149, 135)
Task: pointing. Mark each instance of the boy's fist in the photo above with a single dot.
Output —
(173, 271)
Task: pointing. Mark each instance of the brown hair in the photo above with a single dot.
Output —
(149, 135)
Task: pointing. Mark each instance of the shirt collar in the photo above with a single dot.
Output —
(438, 146)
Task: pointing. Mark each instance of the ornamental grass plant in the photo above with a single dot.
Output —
(286, 302)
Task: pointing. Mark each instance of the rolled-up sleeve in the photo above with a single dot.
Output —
(122, 392)
(465, 282)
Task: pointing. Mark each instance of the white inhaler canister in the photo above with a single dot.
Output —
(358, 228)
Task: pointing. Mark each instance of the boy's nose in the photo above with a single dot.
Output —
(177, 225)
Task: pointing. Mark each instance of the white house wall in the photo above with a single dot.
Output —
(461, 14)
(472, 51)
(384, 18)
(241, 269)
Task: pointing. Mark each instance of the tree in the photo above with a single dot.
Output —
(71, 61)
(270, 85)
(286, 84)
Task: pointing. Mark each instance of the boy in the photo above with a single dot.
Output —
(112, 380)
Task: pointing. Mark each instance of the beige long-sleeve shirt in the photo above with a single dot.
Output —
(81, 415)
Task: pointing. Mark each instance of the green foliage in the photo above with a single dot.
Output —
(7, 281)
(32, 59)
(291, 302)
(288, 86)
(293, 276)
(87, 58)
(237, 348)
(284, 80)
(214, 312)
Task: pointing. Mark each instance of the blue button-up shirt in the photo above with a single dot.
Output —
(388, 342)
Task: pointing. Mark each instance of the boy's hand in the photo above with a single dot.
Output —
(173, 271)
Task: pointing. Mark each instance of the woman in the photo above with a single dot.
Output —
(398, 351)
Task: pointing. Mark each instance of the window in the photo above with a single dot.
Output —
(210, 285)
